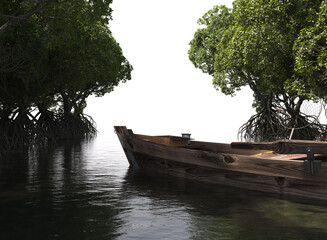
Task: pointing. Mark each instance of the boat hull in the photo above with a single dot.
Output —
(219, 164)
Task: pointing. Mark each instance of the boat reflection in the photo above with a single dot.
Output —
(220, 212)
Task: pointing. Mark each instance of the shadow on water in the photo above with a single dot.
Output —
(83, 190)
(57, 195)
(220, 212)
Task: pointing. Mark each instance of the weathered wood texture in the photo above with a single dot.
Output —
(207, 146)
(267, 164)
(275, 185)
(285, 146)
(165, 140)
(129, 155)
(218, 164)
(222, 148)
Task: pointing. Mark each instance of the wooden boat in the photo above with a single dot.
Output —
(287, 167)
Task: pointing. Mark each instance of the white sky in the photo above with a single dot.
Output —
(167, 94)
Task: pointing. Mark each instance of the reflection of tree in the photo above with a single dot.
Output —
(13, 169)
(65, 199)
(89, 205)
(73, 195)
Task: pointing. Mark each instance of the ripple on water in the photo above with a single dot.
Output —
(84, 190)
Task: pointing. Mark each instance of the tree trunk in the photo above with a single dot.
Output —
(66, 103)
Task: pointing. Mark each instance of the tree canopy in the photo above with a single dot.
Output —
(252, 45)
(311, 57)
(53, 55)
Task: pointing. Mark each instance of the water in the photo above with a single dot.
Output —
(86, 191)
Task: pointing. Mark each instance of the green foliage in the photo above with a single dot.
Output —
(311, 57)
(203, 46)
(53, 55)
(252, 45)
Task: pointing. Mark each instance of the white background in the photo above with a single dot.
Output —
(167, 94)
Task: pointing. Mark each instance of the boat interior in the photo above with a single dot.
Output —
(239, 148)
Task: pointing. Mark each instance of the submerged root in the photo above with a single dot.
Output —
(273, 126)
(77, 126)
(21, 134)
(47, 128)
(15, 135)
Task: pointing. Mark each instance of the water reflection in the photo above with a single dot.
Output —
(84, 190)
(223, 212)
(65, 194)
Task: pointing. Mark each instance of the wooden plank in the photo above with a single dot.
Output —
(255, 145)
(128, 153)
(222, 148)
(165, 140)
(209, 146)
(285, 146)
(302, 147)
(281, 186)
(262, 165)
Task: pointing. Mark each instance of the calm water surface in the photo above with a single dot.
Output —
(86, 191)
